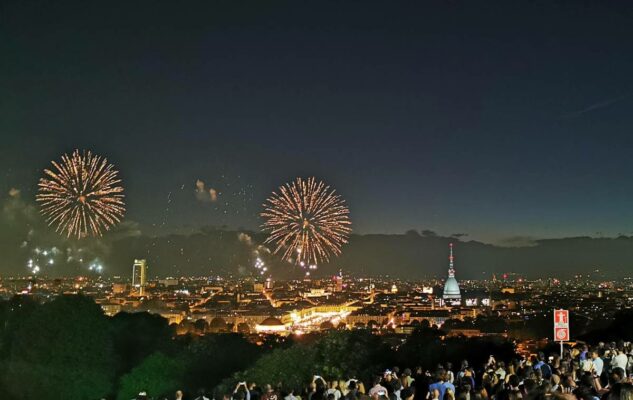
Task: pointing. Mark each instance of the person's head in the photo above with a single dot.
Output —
(538, 374)
(142, 395)
(440, 375)
(179, 394)
(586, 380)
(406, 394)
(268, 388)
(352, 385)
(529, 385)
(595, 354)
(239, 395)
(617, 375)
(331, 396)
(406, 372)
(514, 381)
(626, 391)
(449, 366)
(334, 384)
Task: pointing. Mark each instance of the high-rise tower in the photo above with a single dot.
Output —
(139, 276)
(452, 294)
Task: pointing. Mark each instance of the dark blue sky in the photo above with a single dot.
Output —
(496, 119)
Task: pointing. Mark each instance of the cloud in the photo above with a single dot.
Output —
(518, 241)
(459, 235)
(428, 233)
(23, 229)
(125, 229)
(15, 209)
(595, 106)
(205, 195)
(245, 238)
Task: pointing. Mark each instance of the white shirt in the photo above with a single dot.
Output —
(620, 361)
(335, 392)
(598, 364)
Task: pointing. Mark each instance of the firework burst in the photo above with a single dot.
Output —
(308, 221)
(81, 196)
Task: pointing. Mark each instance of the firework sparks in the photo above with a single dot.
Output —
(308, 221)
(81, 196)
(42, 258)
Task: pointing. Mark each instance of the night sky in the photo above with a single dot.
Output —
(494, 119)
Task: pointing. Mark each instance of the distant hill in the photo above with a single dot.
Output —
(204, 251)
(406, 256)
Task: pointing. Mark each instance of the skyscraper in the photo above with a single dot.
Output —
(338, 281)
(139, 276)
(452, 295)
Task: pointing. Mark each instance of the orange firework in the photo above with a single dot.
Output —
(82, 195)
(308, 220)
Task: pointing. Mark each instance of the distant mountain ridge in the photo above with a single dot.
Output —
(407, 255)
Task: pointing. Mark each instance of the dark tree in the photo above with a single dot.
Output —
(62, 350)
(212, 358)
(138, 335)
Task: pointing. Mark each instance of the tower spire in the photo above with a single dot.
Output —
(451, 259)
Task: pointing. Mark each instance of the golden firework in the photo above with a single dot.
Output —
(81, 196)
(308, 220)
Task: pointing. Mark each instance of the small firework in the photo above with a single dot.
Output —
(308, 220)
(81, 197)
(42, 258)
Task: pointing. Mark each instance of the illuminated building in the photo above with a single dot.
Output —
(139, 276)
(452, 294)
(111, 309)
(271, 325)
(338, 282)
(119, 288)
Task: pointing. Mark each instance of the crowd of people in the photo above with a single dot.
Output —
(602, 372)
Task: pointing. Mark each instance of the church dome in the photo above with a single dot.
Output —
(271, 321)
(451, 289)
(271, 325)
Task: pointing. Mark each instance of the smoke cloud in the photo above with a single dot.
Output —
(205, 195)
